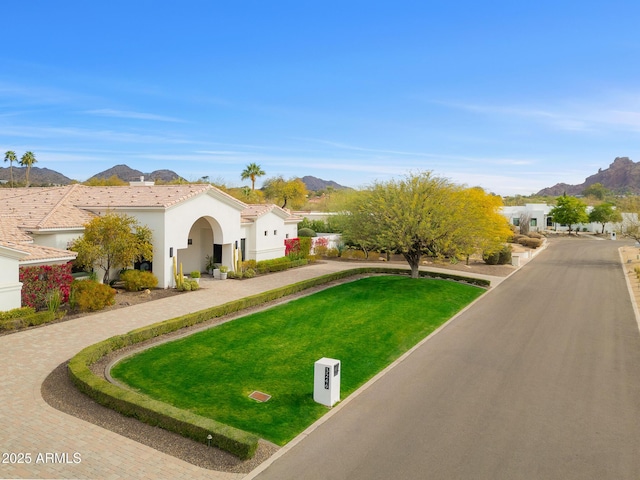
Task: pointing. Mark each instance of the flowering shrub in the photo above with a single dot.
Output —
(320, 246)
(40, 281)
(291, 246)
(321, 242)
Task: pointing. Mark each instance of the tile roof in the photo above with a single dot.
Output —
(24, 210)
(38, 253)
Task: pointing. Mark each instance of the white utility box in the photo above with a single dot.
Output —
(613, 235)
(326, 381)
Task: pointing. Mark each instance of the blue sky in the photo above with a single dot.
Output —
(510, 96)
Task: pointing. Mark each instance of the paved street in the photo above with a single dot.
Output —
(540, 379)
(30, 426)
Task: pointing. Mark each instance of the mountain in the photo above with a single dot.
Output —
(314, 184)
(38, 177)
(127, 174)
(622, 176)
(45, 177)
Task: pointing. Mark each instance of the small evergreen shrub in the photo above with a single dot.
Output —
(491, 258)
(136, 280)
(89, 296)
(531, 242)
(504, 255)
(306, 232)
(249, 273)
(305, 247)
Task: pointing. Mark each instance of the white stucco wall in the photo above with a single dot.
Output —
(61, 239)
(270, 233)
(10, 286)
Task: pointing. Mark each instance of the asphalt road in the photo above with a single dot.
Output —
(540, 379)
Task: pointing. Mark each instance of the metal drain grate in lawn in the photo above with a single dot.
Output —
(366, 324)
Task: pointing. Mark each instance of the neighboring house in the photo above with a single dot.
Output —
(537, 213)
(539, 219)
(188, 222)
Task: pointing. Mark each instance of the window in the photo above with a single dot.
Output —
(533, 222)
(275, 232)
(516, 222)
(266, 233)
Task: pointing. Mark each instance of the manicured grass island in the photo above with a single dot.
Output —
(366, 324)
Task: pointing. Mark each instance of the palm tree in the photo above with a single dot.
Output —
(252, 171)
(10, 156)
(27, 160)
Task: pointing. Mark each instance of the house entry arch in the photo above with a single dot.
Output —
(204, 238)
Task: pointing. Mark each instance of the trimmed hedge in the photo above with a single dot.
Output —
(154, 412)
(279, 264)
(29, 320)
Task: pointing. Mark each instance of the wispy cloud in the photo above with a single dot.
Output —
(617, 112)
(87, 134)
(108, 112)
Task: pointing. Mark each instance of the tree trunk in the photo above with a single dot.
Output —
(413, 259)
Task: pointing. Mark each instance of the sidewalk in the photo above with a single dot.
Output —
(31, 426)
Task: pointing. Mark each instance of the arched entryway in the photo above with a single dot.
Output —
(204, 239)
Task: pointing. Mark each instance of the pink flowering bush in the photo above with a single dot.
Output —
(291, 246)
(40, 281)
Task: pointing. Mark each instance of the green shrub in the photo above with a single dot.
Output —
(305, 247)
(189, 285)
(89, 296)
(54, 300)
(273, 265)
(36, 318)
(249, 273)
(333, 253)
(491, 258)
(321, 250)
(136, 280)
(247, 264)
(531, 242)
(195, 274)
(306, 232)
(17, 313)
(504, 255)
(354, 254)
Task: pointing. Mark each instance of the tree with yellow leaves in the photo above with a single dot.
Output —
(424, 215)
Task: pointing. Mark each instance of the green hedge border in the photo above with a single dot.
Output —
(153, 412)
(29, 320)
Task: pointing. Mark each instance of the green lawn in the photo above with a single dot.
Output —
(366, 324)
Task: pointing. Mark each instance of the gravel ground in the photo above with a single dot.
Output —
(59, 392)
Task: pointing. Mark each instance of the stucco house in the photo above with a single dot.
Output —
(538, 215)
(188, 222)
